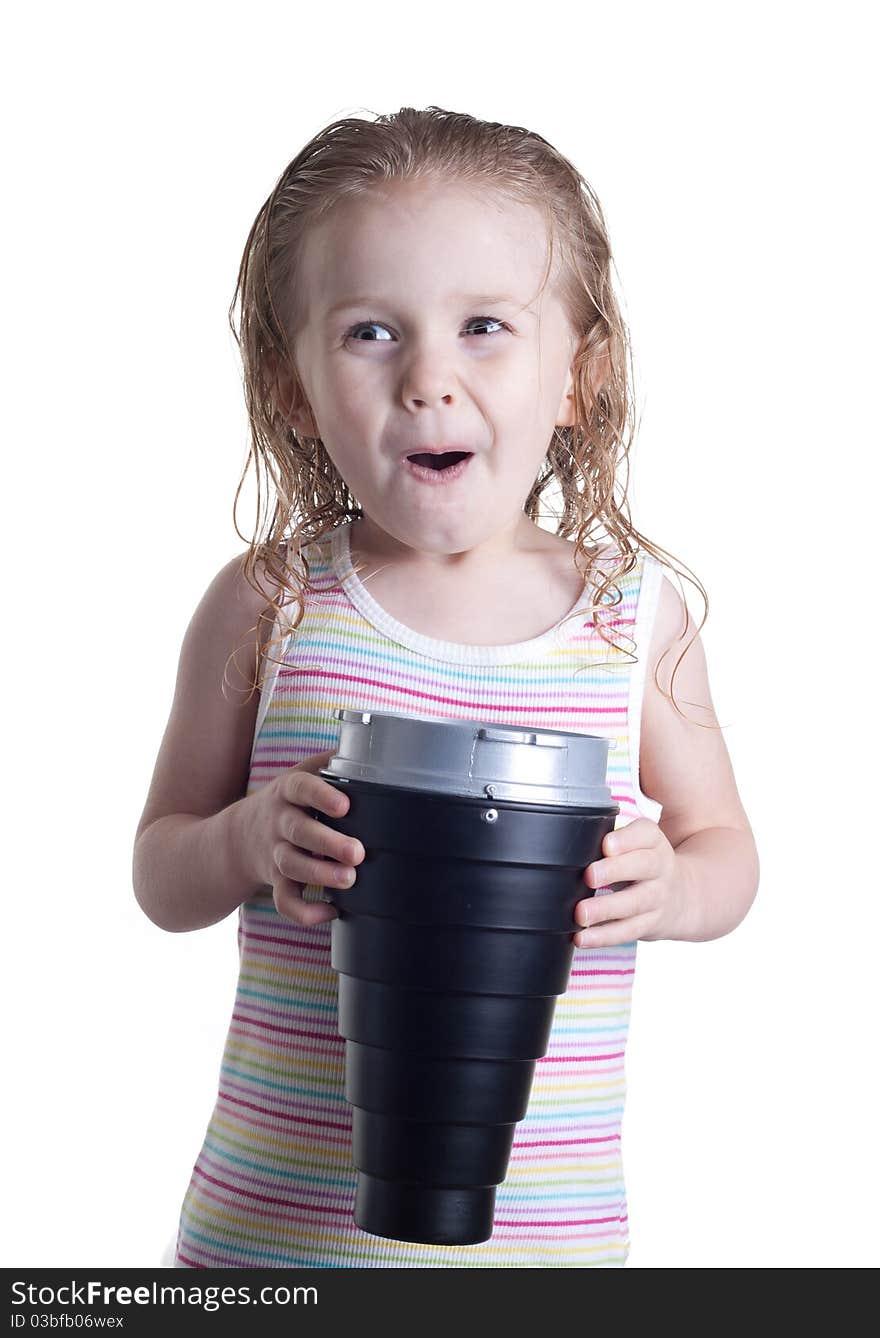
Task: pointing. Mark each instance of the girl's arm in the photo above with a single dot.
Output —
(188, 868)
(688, 770)
(694, 874)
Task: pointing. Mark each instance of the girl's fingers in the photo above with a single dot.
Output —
(615, 932)
(297, 866)
(314, 763)
(304, 788)
(289, 903)
(305, 833)
(634, 866)
(620, 905)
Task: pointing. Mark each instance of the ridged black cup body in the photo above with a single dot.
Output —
(451, 948)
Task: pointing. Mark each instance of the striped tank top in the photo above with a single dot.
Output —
(274, 1184)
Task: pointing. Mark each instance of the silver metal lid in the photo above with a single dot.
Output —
(468, 757)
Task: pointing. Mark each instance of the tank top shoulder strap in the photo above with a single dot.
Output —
(275, 646)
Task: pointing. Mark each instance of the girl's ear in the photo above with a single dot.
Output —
(290, 397)
(600, 368)
(565, 412)
(599, 371)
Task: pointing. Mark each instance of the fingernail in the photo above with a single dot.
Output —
(345, 877)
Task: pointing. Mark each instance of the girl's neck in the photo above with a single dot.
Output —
(503, 551)
(497, 603)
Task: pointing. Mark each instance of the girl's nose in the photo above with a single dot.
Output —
(427, 401)
(427, 382)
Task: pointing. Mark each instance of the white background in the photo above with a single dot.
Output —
(733, 150)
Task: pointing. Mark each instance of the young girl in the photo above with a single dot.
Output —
(404, 570)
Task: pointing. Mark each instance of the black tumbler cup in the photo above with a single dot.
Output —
(451, 949)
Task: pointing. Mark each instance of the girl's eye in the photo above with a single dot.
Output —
(486, 320)
(366, 325)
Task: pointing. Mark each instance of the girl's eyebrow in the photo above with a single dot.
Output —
(367, 301)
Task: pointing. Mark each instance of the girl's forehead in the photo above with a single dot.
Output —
(453, 239)
(414, 205)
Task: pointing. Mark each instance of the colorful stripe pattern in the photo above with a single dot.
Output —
(273, 1184)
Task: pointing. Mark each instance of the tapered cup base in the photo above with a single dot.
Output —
(425, 1214)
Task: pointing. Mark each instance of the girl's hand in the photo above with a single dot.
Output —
(651, 904)
(284, 839)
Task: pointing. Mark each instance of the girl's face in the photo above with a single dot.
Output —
(422, 327)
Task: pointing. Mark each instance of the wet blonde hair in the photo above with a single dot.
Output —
(354, 156)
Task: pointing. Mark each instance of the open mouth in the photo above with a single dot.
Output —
(439, 462)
